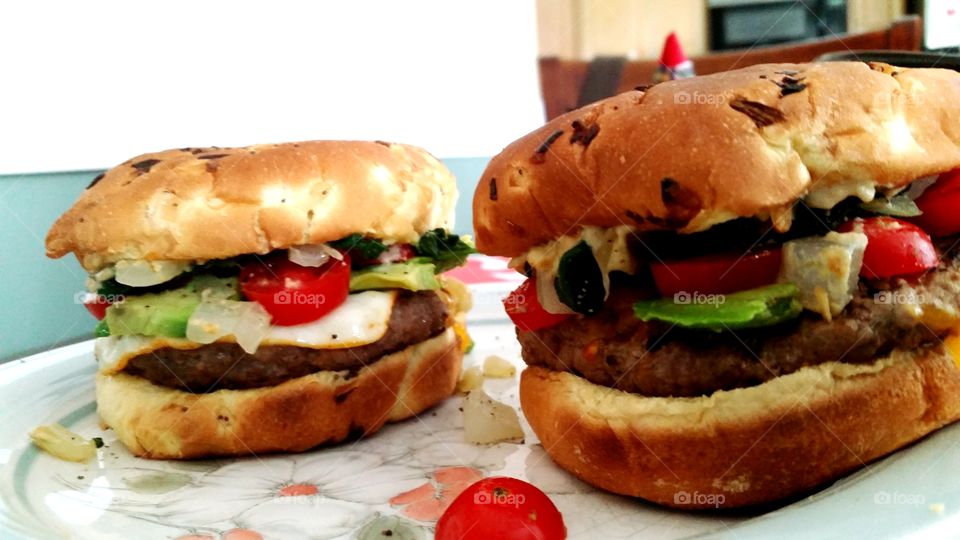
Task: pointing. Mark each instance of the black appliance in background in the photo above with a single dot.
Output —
(740, 24)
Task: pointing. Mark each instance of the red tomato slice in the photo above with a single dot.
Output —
(502, 508)
(940, 205)
(294, 294)
(717, 274)
(894, 247)
(525, 310)
(97, 305)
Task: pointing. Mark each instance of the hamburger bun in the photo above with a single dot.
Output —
(321, 408)
(740, 447)
(215, 203)
(687, 154)
(218, 338)
(681, 157)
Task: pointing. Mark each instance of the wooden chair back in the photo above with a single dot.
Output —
(562, 81)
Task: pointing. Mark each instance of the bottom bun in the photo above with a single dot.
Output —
(324, 407)
(745, 446)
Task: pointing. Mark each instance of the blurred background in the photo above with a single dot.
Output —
(89, 84)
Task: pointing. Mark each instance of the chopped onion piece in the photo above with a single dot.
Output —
(497, 367)
(313, 255)
(486, 420)
(826, 270)
(470, 379)
(333, 252)
(547, 294)
(147, 273)
(64, 444)
(247, 322)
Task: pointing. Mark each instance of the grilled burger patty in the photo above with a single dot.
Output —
(416, 317)
(615, 349)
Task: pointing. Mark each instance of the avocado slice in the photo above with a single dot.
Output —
(166, 313)
(764, 306)
(415, 275)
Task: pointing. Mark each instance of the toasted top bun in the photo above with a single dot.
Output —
(211, 203)
(687, 154)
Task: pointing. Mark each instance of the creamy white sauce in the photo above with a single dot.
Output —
(828, 195)
(609, 247)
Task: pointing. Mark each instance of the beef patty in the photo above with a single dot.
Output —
(415, 317)
(615, 349)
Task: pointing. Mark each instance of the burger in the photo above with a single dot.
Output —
(740, 286)
(268, 298)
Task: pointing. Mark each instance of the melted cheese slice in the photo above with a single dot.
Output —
(362, 319)
(952, 344)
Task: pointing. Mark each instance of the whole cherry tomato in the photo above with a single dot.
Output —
(502, 508)
(894, 247)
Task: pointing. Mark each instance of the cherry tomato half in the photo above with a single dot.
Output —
(97, 305)
(940, 205)
(718, 273)
(294, 294)
(525, 310)
(894, 247)
(502, 508)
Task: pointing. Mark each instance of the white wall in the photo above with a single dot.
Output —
(88, 84)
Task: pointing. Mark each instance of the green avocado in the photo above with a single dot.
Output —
(165, 313)
(752, 308)
(415, 275)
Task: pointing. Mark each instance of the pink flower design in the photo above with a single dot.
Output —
(318, 496)
(429, 501)
(232, 534)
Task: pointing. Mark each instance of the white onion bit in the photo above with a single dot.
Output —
(313, 255)
(247, 322)
(147, 273)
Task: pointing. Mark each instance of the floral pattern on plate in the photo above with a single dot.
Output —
(399, 480)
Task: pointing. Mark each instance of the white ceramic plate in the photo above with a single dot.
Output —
(357, 489)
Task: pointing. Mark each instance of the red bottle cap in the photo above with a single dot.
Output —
(672, 55)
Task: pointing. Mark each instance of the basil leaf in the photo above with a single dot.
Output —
(368, 248)
(447, 250)
(579, 280)
(112, 287)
